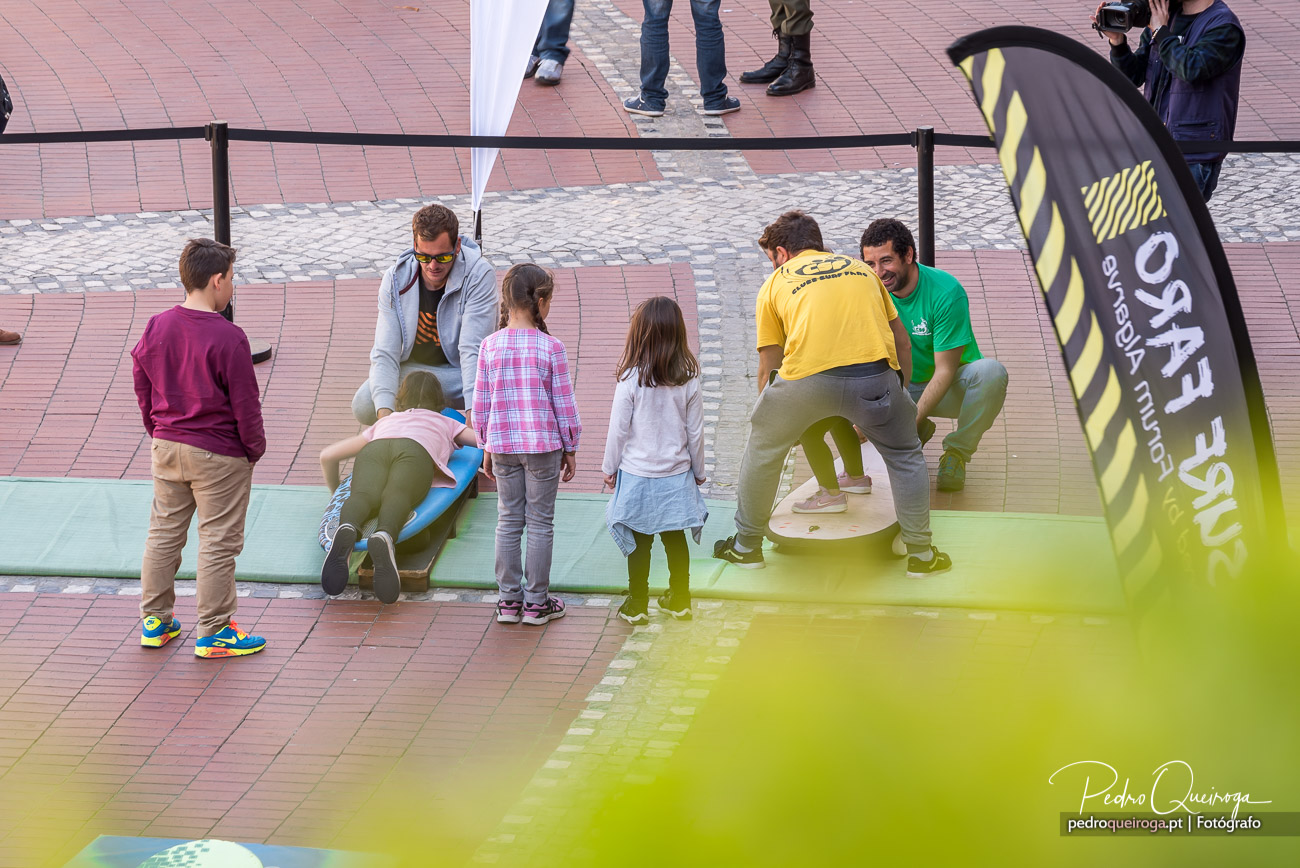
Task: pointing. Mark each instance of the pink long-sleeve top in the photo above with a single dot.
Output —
(523, 396)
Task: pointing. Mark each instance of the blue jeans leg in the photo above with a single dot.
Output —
(974, 399)
(553, 37)
(654, 51)
(710, 52)
(1207, 177)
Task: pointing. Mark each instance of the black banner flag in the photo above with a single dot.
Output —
(1144, 306)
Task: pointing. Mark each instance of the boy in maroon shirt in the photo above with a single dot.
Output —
(198, 395)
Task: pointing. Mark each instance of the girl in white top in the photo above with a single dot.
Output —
(654, 456)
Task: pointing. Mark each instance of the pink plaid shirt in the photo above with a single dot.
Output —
(523, 397)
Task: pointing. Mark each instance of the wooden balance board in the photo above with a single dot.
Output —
(870, 519)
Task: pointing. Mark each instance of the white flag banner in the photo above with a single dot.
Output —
(501, 37)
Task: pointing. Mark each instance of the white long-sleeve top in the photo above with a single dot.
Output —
(657, 431)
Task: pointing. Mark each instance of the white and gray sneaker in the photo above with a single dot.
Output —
(549, 72)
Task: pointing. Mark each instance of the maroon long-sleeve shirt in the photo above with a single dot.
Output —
(195, 383)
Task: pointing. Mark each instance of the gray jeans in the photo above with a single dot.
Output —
(876, 403)
(974, 399)
(363, 402)
(526, 486)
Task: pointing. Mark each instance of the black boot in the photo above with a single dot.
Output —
(798, 75)
(774, 67)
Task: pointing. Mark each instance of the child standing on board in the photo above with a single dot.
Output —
(527, 423)
(654, 456)
(399, 458)
(198, 395)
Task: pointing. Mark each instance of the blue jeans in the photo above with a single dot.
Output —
(553, 39)
(526, 486)
(710, 54)
(974, 399)
(1207, 176)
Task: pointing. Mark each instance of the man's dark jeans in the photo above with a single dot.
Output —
(710, 54)
(1207, 176)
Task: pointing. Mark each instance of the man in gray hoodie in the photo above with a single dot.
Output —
(436, 305)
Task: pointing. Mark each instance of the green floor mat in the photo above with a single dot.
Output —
(97, 527)
(1001, 561)
(83, 527)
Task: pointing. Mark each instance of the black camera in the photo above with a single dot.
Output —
(1124, 15)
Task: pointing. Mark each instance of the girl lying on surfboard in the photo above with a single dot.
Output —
(399, 458)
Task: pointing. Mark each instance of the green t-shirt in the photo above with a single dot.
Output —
(937, 316)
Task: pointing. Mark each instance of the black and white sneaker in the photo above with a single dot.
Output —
(919, 569)
(678, 607)
(383, 554)
(634, 612)
(725, 550)
(334, 574)
(638, 106)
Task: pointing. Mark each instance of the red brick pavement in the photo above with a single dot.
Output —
(355, 710)
(69, 407)
(284, 64)
(297, 65)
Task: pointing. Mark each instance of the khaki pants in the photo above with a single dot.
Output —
(186, 478)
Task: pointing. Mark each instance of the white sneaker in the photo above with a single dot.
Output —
(549, 72)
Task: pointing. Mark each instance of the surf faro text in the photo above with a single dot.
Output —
(1212, 483)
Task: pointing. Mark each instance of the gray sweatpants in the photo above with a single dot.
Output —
(876, 403)
(527, 483)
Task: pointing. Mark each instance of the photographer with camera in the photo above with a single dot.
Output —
(1188, 62)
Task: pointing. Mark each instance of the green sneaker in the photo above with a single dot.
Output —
(952, 472)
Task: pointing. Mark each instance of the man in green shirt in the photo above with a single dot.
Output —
(950, 377)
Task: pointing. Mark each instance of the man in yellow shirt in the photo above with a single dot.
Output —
(831, 344)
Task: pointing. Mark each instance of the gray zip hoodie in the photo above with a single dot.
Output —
(468, 312)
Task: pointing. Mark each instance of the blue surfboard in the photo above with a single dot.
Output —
(463, 464)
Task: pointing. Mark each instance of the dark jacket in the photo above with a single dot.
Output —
(1190, 72)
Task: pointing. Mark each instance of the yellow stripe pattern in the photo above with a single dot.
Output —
(1124, 201)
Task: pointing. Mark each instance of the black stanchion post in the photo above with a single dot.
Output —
(218, 135)
(478, 227)
(924, 142)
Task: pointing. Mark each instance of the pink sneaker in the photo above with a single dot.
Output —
(854, 484)
(823, 501)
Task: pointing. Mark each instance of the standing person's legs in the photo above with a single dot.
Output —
(222, 485)
(409, 477)
(542, 482)
(679, 564)
(553, 37)
(775, 426)
(169, 524)
(363, 402)
(511, 494)
(638, 570)
(654, 51)
(710, 52)
(818, 454)
(792, 17)
(887, 415)
(1206, 176)
(848, 445)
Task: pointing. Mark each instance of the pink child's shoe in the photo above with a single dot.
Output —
(823, 501)
(854, 484)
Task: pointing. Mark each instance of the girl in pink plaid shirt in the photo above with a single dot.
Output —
(527, 423)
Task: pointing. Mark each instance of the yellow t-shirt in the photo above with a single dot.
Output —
(825, 310)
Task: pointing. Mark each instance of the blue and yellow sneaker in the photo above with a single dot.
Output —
(156, 634)
(228, 642)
